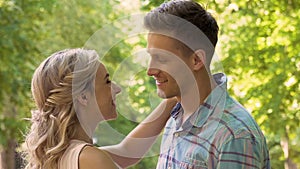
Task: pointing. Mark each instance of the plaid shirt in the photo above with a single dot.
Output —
(220, 134)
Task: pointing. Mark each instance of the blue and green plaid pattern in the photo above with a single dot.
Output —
(220, 134)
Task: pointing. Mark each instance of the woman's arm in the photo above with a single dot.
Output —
(139, 140)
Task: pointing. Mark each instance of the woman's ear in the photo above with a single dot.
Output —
(82, 99)
(199, 59)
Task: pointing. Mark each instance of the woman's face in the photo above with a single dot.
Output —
(105, 92)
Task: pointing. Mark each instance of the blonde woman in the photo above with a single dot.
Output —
(73, 93)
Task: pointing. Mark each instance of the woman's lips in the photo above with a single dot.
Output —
(161, 82)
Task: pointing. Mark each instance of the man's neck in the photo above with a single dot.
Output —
(190, 100)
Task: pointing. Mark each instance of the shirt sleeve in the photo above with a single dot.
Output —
(240, 153)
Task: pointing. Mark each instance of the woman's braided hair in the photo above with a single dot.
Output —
(57, 80)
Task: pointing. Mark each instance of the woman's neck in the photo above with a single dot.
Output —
(81, 135)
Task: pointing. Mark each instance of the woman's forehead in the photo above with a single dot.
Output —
(101, 69)
(102, 73)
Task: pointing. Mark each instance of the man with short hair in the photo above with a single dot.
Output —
(207, 128)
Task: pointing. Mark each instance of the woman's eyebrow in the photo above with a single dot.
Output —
(106, 76)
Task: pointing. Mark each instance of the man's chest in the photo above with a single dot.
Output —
(192, 148)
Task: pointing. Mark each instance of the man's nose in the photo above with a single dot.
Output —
(152, 71)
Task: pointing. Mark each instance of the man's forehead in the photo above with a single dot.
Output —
(157, 51)
(152, 35)
(157, 41)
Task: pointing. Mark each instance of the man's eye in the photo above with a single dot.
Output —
(160, 59)
(108, 81)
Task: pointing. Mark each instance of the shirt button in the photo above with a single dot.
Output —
(176, 134)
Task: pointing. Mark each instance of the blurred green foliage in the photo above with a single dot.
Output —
(259, 47)
(30, 31)
(260, 50)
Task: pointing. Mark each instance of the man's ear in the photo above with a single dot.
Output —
(199, 59)
(82, 99)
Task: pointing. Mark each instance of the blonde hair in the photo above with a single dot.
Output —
(57, 80)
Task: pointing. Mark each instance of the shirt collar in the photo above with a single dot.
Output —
(176, 113)
(205, 110)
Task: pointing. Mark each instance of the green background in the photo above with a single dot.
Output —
(259, 46)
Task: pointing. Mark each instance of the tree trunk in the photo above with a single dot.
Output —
(284, 142)
(7, 156)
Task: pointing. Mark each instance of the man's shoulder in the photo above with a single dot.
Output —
(234, 109)
(239, 120)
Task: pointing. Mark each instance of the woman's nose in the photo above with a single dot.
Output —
(116, 88)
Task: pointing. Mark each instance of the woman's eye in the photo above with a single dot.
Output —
(108, 81)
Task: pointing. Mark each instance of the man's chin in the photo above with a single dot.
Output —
(163, 95)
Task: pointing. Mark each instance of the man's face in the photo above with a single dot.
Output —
(168, 65)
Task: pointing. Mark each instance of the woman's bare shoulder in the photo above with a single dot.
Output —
(93, 158)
